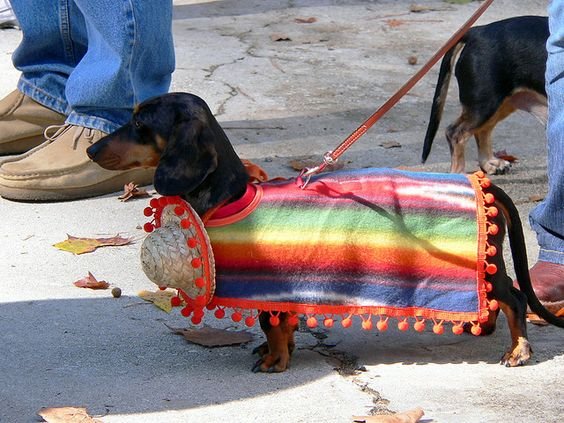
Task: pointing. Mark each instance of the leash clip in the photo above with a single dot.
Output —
(307, 172)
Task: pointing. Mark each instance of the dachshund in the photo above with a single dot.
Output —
(194, 159)
(501, 69)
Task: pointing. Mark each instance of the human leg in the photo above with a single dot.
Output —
(129, 58)
(547, 219)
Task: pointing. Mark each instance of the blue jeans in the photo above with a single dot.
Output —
(547, 219)
(94, 60)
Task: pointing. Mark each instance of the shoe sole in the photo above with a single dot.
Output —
(115, 184)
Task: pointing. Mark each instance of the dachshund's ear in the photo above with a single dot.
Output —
(189, 157)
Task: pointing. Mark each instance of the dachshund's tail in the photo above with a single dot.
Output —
(441, 90)
(519, 253)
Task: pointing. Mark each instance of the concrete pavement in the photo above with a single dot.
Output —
(278, 101)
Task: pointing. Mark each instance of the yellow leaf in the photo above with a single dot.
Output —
(159, 298)
(66, 415)
(78, 245)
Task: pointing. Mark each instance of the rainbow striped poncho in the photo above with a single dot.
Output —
(373, 242)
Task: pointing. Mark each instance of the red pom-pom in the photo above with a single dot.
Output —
(236, 317)
(489, 287)
(185, 223)
(175, 301)
(163, 201)
(347, 322)
(486, 183)
(491, 251)
(178, 210)
(219, 313)
(494, 305)
(154, 203)
(438, 329)
(250, 321)
(493, 230)
(196, 320)
(489, 198)
(492, 211)
(148, 211)
(192, 242)
(186, 311)
(311, 322)
(196, 262)
(162, 288)
(419, 326)
(367, 324)
(274, 321)
(491, 269)
(199, 282)
(403, 325)
(293, 320)
(148, 227)
(382, 325)
(328, 322)
(476, 330)
(457, 329)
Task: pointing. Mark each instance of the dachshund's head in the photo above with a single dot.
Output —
(179, 135)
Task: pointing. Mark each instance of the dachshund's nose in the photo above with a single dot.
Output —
(94, 150)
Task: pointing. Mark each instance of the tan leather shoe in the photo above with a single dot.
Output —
(22, 123)
(59, 169)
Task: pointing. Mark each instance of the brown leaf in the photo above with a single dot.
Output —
(411, 416)
(394, 23)
(211, 337)
(131, 190)
(390, 144)
(91, 282)
(280, 37)
(78, 245)
(535, 198)
(66, 415)
(502, 154)
(306, 20)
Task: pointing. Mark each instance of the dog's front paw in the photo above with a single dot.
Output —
(518, 355)
(272, 363)
(495, 166)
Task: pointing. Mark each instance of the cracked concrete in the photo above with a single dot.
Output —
(277, 101)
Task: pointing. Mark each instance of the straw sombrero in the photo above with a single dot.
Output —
(177, 252)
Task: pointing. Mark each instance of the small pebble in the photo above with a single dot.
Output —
(116, 292)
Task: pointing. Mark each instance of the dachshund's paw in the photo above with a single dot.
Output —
(495, 166)
(518, 355)
(272, 363)
(261, 350)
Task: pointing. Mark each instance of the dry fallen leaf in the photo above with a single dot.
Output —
(91, 282)
(535, 198)
(131, 190)
(66, 415)
(502, 154)
(411, 416)
(394, 23)
(306, 20)
(210, 337)
(78, 245)
(159, 298)
(280, 37)
(390, 144)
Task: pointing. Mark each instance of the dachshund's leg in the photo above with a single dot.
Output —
(513, 303)
(276, 352)
(457, 134)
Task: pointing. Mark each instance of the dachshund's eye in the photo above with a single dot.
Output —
(138, 124)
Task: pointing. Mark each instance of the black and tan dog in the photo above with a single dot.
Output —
(501, 69)
(195, 160)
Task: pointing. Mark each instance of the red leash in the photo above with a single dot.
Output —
(332, 156)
